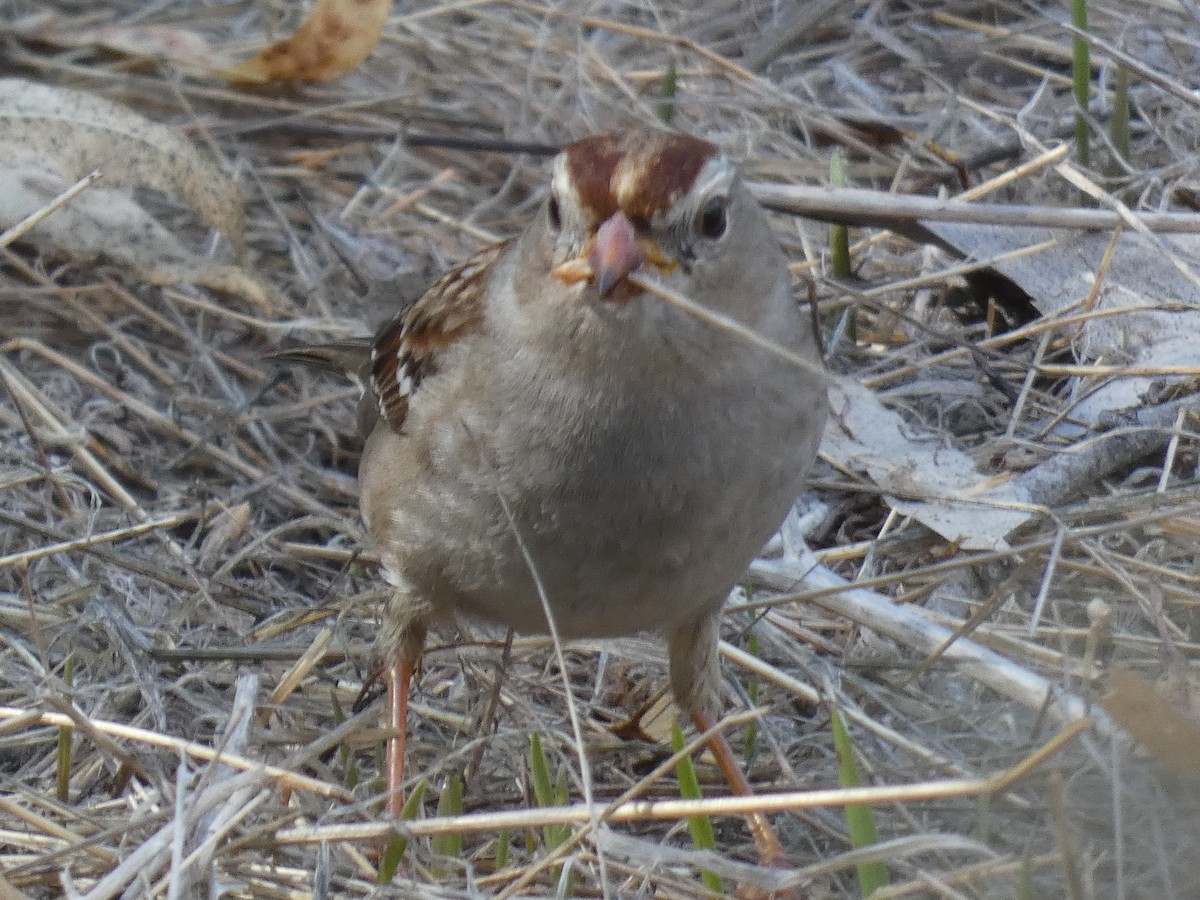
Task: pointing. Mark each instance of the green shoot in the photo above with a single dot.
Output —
(700, 826)
(63, 756)
(1119, 129)
(666, 95)
(752, 691)
(1081, 70)
(1025, 884)
(502, 847)
(860, 821)
(450, 803)
(349, 763)
(390, 861)
(547, 793)
(839, 235)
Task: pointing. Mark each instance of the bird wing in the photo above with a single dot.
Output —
(407, 348)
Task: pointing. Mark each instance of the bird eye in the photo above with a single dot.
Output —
(712, 220)
(554, 213)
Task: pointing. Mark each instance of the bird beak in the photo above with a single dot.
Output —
(610, 256)
(615, 253)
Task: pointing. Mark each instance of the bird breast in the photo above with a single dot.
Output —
(636, 508)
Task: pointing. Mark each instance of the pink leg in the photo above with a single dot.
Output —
(398, 677)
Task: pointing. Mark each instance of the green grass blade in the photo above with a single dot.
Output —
(839, 235)
(1081, 70)
(1119, 129)
(63, 755)
(701, 827)
(539, 772)
(860, 820)
(546, 793)
(666, 96)
(752, 690)
(502, 849)
(392, 854)
(450, 803)
(1025, 884)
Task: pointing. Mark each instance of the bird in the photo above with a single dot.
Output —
(545, 435)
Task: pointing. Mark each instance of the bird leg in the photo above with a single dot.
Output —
(696, 681)
(402, 639)
(770, 851)
(399, 675)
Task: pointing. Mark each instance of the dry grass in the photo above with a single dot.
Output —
(226, 556)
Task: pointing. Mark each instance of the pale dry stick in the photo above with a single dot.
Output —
(902, 624)
(763, 670)
(32, 220)
(32, 399)
(1164, 477)
(724, 323)
(855, 206)
(165, 423)
(1058, 320)
(299, 670)
(312, 324)
(1093, 294)
(1118, 371)
(1133, 64)
(132, 866)
(1039, 602)
(796, 103)
(406, 201)
(1040, 46)
(1016, 173)
(480, 234)
(666, 810)
(1027, 384)
(199, 751)
(52, 829)
(969, 875)
(955, 271)
(105, 537)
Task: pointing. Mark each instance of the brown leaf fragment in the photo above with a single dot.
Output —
(1167, 733)
(228, 527)
(333, 41)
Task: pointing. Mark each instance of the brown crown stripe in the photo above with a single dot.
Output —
(641, 172)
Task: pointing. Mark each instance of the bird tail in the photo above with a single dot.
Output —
(349, 358)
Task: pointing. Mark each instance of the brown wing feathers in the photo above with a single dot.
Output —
(406, 349)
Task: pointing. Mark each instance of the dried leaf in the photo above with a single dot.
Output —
(968, 507)
(1162, 302)
(226, 528)
(1166, 733)
(165, 43)
(336, 37)
(72, 133)
(102, 222)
